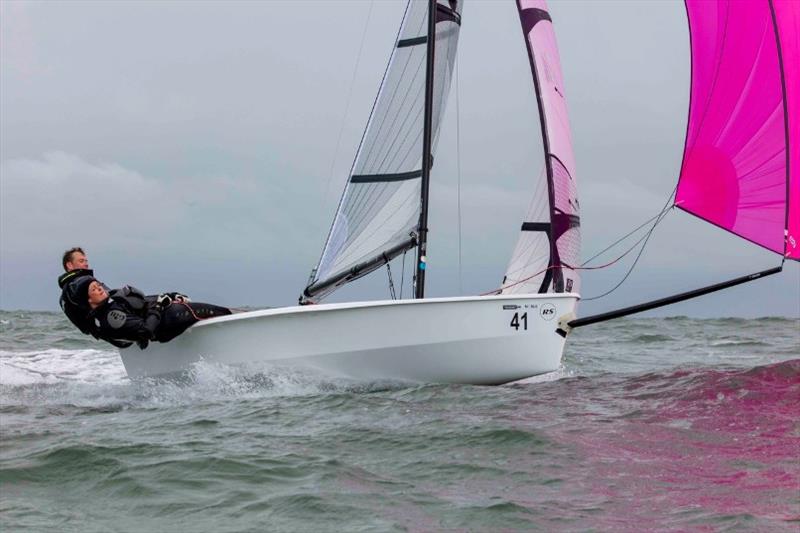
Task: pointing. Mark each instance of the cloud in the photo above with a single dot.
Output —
(61, 198)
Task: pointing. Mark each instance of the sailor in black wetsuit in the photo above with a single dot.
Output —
(73, 296)
(126, 315)
(70, 301)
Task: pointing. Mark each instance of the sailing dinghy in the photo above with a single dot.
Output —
(740, 172)
(383, 213)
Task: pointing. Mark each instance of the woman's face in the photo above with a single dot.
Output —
(97, 294)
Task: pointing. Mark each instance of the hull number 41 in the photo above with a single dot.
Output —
(519, 320)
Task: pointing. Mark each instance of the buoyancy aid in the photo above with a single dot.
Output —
(71, 301)
(126, 316)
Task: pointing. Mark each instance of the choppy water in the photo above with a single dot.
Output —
(666, 424)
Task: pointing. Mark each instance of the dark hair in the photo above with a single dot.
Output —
(68, 255)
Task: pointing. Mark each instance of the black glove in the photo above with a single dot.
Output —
(128, 290)
(163, 301)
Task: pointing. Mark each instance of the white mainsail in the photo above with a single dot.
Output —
(378, 215)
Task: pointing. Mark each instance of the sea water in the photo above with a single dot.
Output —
(651, 424)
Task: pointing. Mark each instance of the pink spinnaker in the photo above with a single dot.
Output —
(741, 163)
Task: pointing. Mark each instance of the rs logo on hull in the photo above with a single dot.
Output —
(548, 311)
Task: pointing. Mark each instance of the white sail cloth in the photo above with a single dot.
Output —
(380, 206)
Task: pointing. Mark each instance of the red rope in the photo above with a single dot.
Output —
(190, 310)
(564, 265)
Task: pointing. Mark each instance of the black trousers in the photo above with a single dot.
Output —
(179, 316)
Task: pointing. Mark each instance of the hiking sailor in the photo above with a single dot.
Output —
(76, 271)
(126, 315)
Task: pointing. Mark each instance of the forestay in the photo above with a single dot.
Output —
(741, 163)
(378, 215)
(549, 243)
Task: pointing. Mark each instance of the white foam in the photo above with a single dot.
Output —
(96, 379)
(561, 373)
(54, 365)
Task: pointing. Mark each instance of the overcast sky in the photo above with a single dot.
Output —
(193, 147)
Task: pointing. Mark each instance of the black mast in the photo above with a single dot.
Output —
(419, 288)
(529, 17)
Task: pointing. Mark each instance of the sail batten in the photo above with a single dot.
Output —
(378, 178)
(740, 163)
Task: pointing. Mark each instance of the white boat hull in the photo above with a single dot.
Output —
(474, 340)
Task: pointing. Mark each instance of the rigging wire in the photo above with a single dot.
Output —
(391, 282)
(630, 270)
(403, 274)
(458, 173)
(644, 239)
(667, 207)
(347, 104)
(637, 228)
(564, 265)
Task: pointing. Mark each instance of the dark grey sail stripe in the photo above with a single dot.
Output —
(378, 178)
(536, 226)
(415, 41)
(574, 220)
(444, 13)
(412, 42)
(530, 17)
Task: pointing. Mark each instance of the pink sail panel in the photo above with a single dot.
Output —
(735, 166)
(543, 45)
(549, 245)
(787, 18)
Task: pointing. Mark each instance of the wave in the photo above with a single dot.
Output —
(761, 319)
(96, 380)
(702, 384)
(651, 338)
(738, 342)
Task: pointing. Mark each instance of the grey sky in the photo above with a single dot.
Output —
(189, 146)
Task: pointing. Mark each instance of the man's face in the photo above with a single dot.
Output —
(78, 261)
(97, 294)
